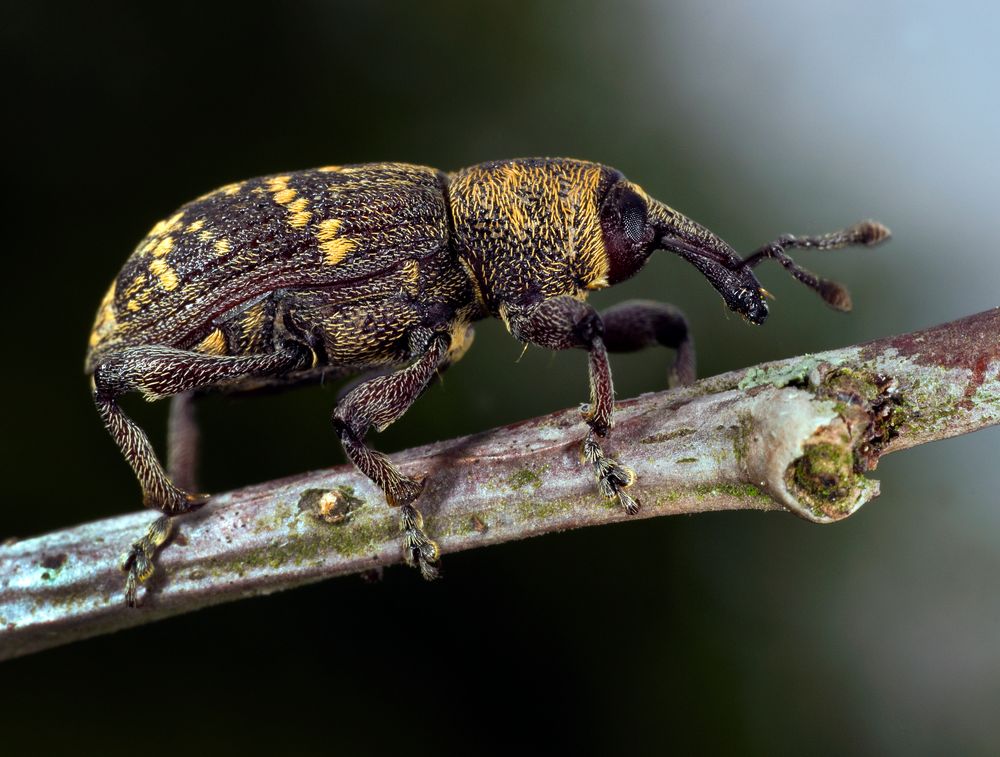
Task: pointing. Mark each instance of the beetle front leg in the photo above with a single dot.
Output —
(562, 323)
(377, 403)
(612, 477)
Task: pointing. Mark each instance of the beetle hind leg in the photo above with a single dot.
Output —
(157, 372)
(137, 563)
(419, 551)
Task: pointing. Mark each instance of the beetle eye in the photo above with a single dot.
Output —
(633, 216)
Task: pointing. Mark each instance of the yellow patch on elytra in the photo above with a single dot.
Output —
(166, 274)
(334, 248)
(196, 226)
(277, 183)
(205, 236)
(299, 215)
(285, 195)
(106, 321)
(162, 227)
(137, 284)
(222, 247)
(330, 169)
(132, 305)
(213, 344)
(164, 246)
(328, 229)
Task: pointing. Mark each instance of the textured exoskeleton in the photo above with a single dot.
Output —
(344, 269)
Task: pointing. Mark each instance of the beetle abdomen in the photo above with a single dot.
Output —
(326, 227)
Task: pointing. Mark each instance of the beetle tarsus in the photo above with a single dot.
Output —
(419, 551)
(137, 563)
(612, 477)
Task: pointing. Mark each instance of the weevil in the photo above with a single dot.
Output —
(285, 279)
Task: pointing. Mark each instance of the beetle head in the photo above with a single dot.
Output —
(634, 225)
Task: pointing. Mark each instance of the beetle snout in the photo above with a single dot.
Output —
(745, 295)
(751, 305)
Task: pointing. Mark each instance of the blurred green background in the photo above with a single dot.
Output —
(742, 632)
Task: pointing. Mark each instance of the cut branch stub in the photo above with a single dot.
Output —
(803, 451)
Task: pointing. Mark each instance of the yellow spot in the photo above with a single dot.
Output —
(133, 305)
(166, 274)
(105, 322)
(334, 248)
(162, 227)
(213, 344)
(196, 226)
(205, 236)
(277, 183)
(329, 169)
(137, 284)
(164, 246)
(300, 216)
(328, 229)
(222, 247)
(284, 196)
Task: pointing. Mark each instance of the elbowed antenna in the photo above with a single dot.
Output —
(732, 276)
(866, 233)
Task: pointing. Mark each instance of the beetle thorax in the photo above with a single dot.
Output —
(525, 229)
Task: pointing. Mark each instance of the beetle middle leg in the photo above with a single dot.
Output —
(157, 372)
(379, 402)
(183, 442)
(565, 322)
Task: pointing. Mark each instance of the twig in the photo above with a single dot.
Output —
(795, 433)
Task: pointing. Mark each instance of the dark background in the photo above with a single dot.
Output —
(743, 631)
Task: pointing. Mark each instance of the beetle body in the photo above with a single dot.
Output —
(352, 261)
(343, 269)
